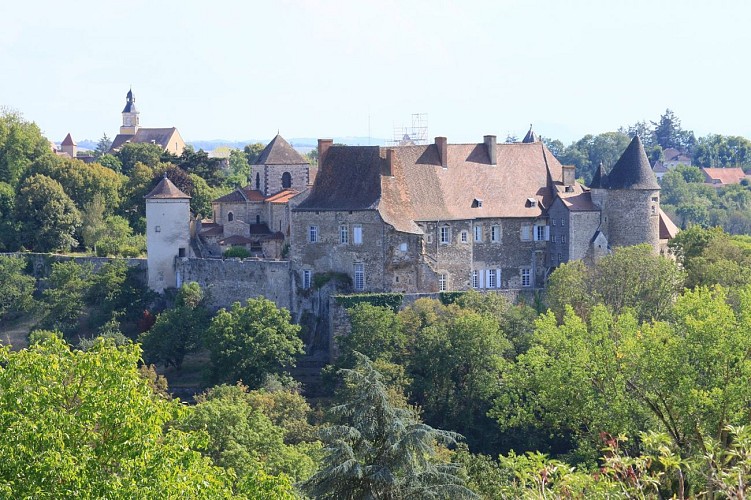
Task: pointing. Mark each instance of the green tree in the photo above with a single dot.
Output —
(239, 169)
(102, 146)
(118, 292)
(200, 164)
(92, 222)
(21, 143)
(669, 134)
(253, 151)
(16, 287)
(8, 224)
(375, 332)
(47, 216)
(87, 425)
(64, 295)
(178, 331)
(249, 342)
(380, 449)
(132, 153)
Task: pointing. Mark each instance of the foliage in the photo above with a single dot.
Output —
(236, 252)
(242, 438)
(102, 146)
(16, 287)
(375, 332)
(85, 424)
(117, 292)
(248, 342)
(390, 300)
(286, 408)
(669, 134)
(8, 224)
(239, 169)
(253, 151)
(716, 150)
(110, 161)
(46, 215)
(200, 164)
(178, 331)
(588, 152)
(116, 239)
(447, 298)
(64, 295)
(132, 153)
(21, 143)
(380, 449)
(202, 195)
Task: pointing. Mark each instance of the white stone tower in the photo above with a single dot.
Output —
(167, 233)
(130, 115)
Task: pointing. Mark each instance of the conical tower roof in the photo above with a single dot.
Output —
(68, 141)
(279, 152)
(166, 190)
(130, 103)
(632, 170)
(531, 136)
(600, 179)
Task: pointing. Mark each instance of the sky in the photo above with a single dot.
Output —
(313, 68)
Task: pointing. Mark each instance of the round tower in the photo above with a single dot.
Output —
(130, 115)
(629, 197)
(167, 233)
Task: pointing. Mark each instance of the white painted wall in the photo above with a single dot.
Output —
(167, 231)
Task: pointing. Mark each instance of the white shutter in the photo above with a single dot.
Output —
(525, 233)
(482, 278)
(498, 278)
(547, 233)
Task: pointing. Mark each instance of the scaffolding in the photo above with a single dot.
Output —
(414, 135)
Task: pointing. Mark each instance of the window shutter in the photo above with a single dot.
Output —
(547, 233)
(487, 277)
(482, 279)
(498, 278)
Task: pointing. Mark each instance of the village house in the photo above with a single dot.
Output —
(719, 177)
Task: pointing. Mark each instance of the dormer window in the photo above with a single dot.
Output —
(531, 203)
(477, 203)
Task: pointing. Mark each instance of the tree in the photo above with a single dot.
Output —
(253, 151)
(8, 224)
(64, 295)
(86, 424)
(21, 143)
(102, 146)
(92, 223)
(200, 164)
(248, 342)
(16, 287)
(177, 331)
(118, 292)
(669, 134)
(132, 153)
(111, 162)
(375, 332)
(239, 169)
(47, 216)
(380, 449)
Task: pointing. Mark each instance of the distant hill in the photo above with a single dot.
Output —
(302, 144)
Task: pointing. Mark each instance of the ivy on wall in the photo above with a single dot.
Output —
(391, 300)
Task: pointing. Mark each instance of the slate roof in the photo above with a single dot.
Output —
(419, 189)
(166, 189)
(68, 141)
(600, 179)
(241, 195)
(130, 103)
(160, 136)
(632, 170)
(279, 152)
(724, 175)
(531, 136)
(235, 239)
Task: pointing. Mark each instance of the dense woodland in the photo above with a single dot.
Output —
(631, 378)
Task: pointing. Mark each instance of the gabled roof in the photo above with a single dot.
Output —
(668, 230)
(159, 136)
(279, 152)
(576, 200)
(420, 189)
(632, 170)
(166, 189)
(68, 141)
(723, 175)
(659, 167)
(531, 136)
(282, 196)
(241, 195)
(599, 180)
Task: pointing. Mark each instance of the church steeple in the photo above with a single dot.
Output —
(130, 115)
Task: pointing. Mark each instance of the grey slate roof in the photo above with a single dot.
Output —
(632, 170)
(531, 136)
(279, 152)
(600, 179)
(130, 103)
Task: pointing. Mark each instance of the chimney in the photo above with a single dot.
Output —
(569, 175)
(323, 146)
(490, 145)
(442, 144)
(389, 166)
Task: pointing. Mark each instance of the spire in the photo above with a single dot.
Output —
(68, 141)
(531, 136)
(632, 170)
(600, 179)
(130, 102)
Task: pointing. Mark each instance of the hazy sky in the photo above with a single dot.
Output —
(314, 68)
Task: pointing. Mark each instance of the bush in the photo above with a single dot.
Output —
(240, 252)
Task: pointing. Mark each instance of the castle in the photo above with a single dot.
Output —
(414, 218)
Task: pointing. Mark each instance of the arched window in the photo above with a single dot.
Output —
(230, 216)
(258, 219)
(258, 181)
(286, 180)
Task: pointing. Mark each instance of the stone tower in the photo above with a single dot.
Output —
(167, 233)
(629, 199)
(69, 146)
(130, 115)
(279, 167)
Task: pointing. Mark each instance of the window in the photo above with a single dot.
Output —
(464, 236)
(526, 277)
(359, 276)
(553, 222)
(475, 279)
(357, 235)
(445, 235)
(306, 278)
(478, 233)
(230, 216)
(402, 247)
(542, 233)
(554, 238)
(563, 221)
(258, 181)
(286, 180)
(492, 279)
(258, 219)
(313, 234)
(559, 258)
(157, 229)
(343, 234)
(526, 233)
(429, 237)
(495, 234)
(563, 238)
(181, 252)
(442, 283)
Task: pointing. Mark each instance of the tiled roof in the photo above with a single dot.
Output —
(632, 170)
(258, 229)
(166, 189)
(723, 175)
(668, 230)
(420, 189)
(241, 195)
(659, 167)
(160, 136)
(279, 152)
(578, 200)
(215, 230)
(68, 141)
(282, 196)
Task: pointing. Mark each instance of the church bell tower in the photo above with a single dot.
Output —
(130, 115)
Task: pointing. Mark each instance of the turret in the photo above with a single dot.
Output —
(130, 115)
